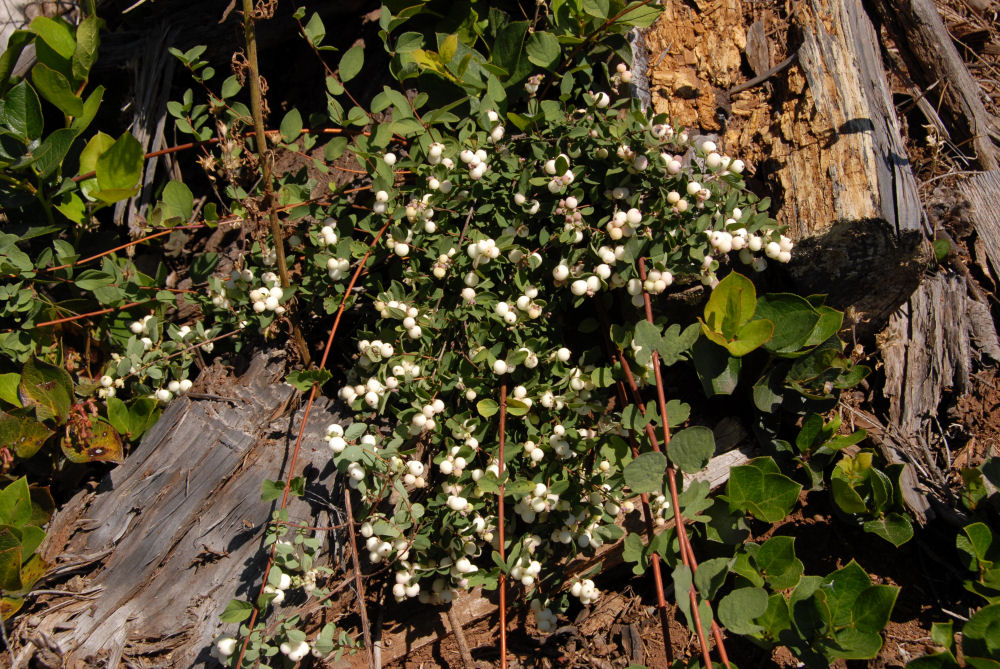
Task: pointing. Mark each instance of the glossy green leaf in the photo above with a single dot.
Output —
(291, 125)
(22, 434)
(8, 388)
(981, 635)
(15, 503)
(47, 389)
(54, 87)
(56, 33)
(894, 527)
(777, 563)
(21, 112)
(794, 319)
(119, 168)
(178, 201)
(236, 611)
(87, 43)
(718, 371)
(487, 408)
(758, 488)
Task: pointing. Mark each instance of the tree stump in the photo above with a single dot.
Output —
(176, 532)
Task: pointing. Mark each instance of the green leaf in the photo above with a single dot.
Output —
(777, 563)
(54, 87)
(46, 388)
(15, 503)
(509, 53)
(230, 87)
(718, 371)
(335, 148)
(981, 635)
(640, 14)
(314, 30)
(692, 448)
(893, 527)
(759, 489)
(22, 434)
(351, 62)
(8, 388)
(143, 413)
(203, 266)
(236, 611)
(10, 559)
(794, 317)
(710, 576)
(50, 154)
(543, 49)
(599, 9)
(56, 33)
(291, 125)
(87, 42)
(730, 306)
(179, 200)
(103, 445)
(487, 408)
(21, 112)
(739, 608)
(304, 380)
(15, 45)
(119, 168)
(118, 415)
(645, 473)
(271, 490)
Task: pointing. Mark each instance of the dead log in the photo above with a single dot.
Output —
(931, 56)
(179, 527)
(851, 194)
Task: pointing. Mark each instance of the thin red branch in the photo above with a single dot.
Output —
(500, 523)
(647, 514)
(687, 553)
(358, 583)
(305, 419)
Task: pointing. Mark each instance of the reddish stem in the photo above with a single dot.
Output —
(302, 427)
(500, 533)
(687, 553)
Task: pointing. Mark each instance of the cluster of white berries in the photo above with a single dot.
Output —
(481, 253)
(558, 182)
(294, 651)
(108, 384)
(328, 233)
(545, 618)
(717, 162)
(423, 421)
(623, 73)
(522, 201)
(140, 326)
(454, 464)
(526, 571)
(538, 501)
(381, 205)
(496, 129)
(435, 156)
(634, 162)
(284, 582)
(624, 223)
(475, 161)
(268, 296)
(585, 591)
(524, 304)
(173, 388)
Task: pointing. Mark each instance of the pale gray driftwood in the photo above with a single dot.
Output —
(181, 524)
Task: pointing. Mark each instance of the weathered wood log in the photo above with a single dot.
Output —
(179, 527)
(853, 194)
(926, 46)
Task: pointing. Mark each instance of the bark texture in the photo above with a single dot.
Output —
(178, 528)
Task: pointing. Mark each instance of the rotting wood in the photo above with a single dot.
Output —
(982, 191)
(927, 48)
(184, 523)
(852, 192)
